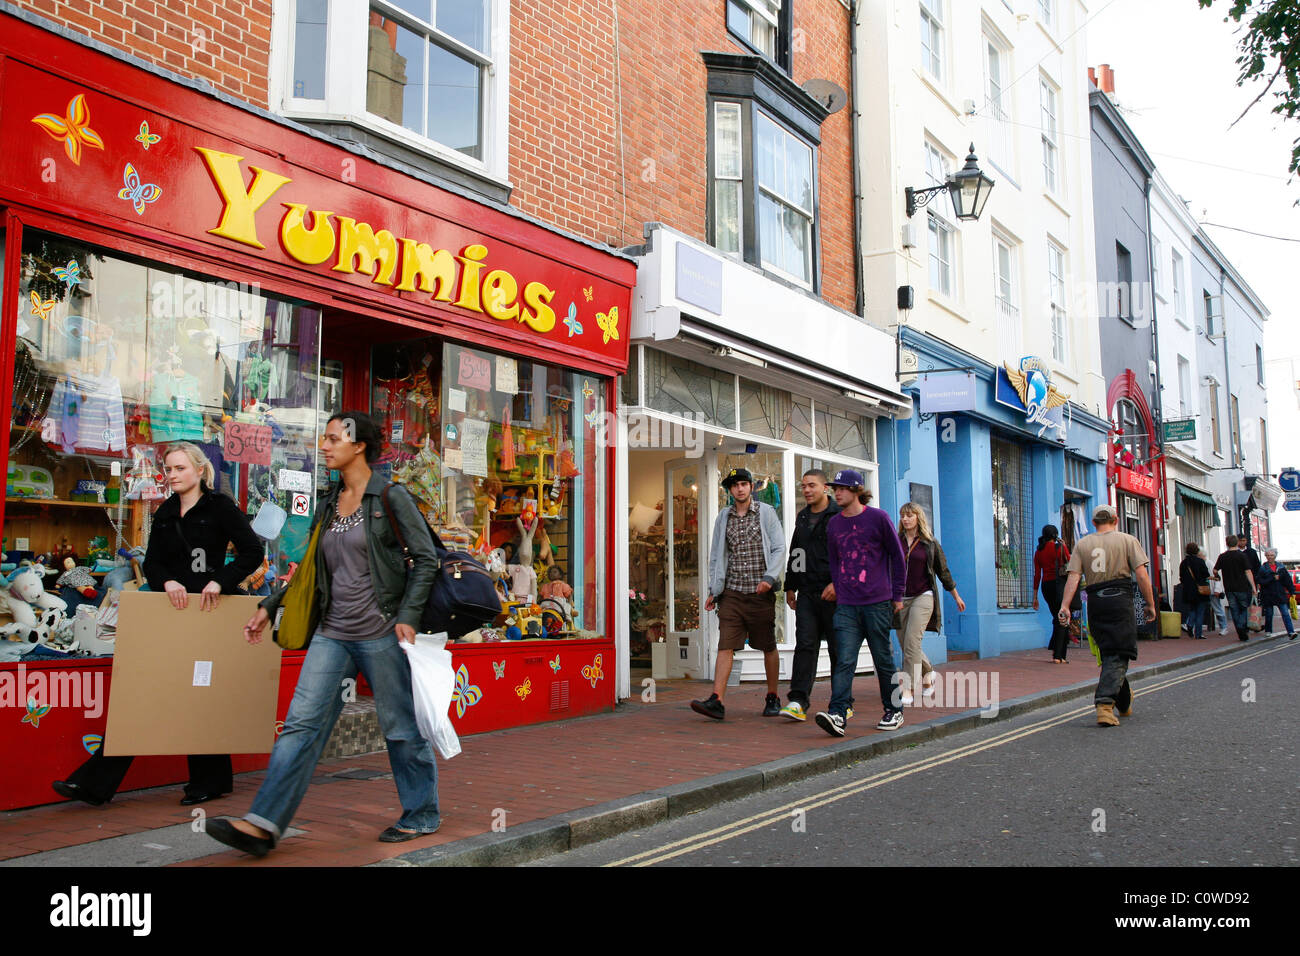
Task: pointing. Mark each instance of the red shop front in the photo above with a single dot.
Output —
(179, 268)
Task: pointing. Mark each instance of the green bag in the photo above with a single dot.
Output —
(300, 606)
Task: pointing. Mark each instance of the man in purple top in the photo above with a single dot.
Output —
(868, 572)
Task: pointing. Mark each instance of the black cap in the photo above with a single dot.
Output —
(735, 475)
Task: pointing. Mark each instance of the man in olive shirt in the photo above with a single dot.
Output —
(1107, 560)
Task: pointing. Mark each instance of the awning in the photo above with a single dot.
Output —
(1196, 496)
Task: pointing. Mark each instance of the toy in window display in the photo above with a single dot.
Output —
(545, 550)
(523, 581)
(556, 586)
(144, 483)
(526, 524)
(77, 578)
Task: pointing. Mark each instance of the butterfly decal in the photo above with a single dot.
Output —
(92, 742)
(34, 713)
(465, 695)
(136, 192)
(500, 668)
(42, 309)
(593, 672)
(589, 292)
(73, 128)
(608, 323)
(146, 138)
(555, 664)
(586, 389)
(524, 689)
(574, 326)
(593, 418)
(71, 273)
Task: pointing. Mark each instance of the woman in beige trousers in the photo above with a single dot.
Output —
(920, 613)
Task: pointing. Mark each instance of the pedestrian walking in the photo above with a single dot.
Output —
(186, 555)
(807, 573)
(1216, 602)
(1275, 591)
(1194, 577)
(925, 560)
(368, 601)
(868, 574)
(1233, 567)
(1108, 560)
(746, 555)
(1049, 571)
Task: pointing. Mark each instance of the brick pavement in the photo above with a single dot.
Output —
(537, 772)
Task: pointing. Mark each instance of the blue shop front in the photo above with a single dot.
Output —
(992, 454)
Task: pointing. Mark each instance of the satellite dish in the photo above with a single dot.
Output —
(829, 95)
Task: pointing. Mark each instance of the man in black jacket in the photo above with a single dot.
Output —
(806, 576)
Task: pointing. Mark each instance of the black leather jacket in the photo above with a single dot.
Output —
(401, 596)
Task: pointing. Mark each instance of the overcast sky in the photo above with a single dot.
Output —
(1175, 79)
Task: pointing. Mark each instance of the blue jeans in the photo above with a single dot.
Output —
(1196, 617)
(1238, 602)
(315, 708)
(853, 623)
(1285, 608)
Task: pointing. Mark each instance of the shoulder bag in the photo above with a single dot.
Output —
(300, 606)
(464, 595)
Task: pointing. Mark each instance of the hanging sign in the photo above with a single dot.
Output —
(247, 444)
(1028, 388)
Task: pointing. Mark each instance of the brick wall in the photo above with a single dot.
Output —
(226, 42)
(565, 161)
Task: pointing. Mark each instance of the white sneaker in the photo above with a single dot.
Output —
(794, 710)
(908, 700)
(927, 688)
(1224, 631)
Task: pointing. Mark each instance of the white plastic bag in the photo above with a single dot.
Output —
(432, 681)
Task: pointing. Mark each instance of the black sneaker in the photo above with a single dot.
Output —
(772, 706)
(710, 708)
(833, 724)
(892, 720)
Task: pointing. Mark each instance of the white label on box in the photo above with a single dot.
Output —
(203, 673)
(294, 480)
(456, 399)
(115, 469)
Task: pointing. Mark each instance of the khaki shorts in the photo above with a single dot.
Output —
(749, 617)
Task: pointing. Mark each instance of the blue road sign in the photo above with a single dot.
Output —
(1289, 480)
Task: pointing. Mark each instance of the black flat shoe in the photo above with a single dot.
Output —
(223, 831)
(190, 799)
(394, 835)
(73, 792)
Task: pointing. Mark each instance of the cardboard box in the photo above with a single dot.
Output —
(186, 682)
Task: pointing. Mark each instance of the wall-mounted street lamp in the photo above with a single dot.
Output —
(969, 188)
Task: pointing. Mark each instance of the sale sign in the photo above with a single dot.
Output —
(247, 444)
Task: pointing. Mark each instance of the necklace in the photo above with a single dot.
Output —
(342, 524)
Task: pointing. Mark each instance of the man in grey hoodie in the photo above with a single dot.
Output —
(746, 555)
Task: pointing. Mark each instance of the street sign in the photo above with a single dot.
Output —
(1291, 504)
(1289, 480)
(1183, 429)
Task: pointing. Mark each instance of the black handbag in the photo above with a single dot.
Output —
(464, 595)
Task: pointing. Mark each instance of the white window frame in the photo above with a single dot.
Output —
(1006, 296)
(941, 231)
(1060, 318)
(764, 24)
(1176, 269)
(1047, 13)
(998, 102)
(786, 203)
(347, 37)
(722, 173)
(1184, 385)
(1050, 128)
(1157, 264)
(933, 39)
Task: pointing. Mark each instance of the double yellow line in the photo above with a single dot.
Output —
(759, 820)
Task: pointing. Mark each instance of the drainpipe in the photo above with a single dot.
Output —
(1157, 408)
(1227, 390)
(859, 294)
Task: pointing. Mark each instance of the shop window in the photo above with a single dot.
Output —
(1078, 475)
(849, 436)
(116, 359)
(763, 172)
(1013, 531)
(764, 410)
(428, 74)
(681, 387)
(503, 453)
(799, 431)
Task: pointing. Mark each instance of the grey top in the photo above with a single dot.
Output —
(353, 613)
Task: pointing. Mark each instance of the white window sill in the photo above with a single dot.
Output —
(1047, 32)
(1182, 322)
(403, 137)
(1056, 200)
(934, 87)
(951, 306)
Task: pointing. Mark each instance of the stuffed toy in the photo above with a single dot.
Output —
(38, 617)
(78, 579)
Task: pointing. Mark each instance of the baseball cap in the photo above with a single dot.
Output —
(847, 478)
(1104, 513)
(735, 475)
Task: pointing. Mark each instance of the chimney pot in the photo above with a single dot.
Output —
(1092, 75)
(1107, 79)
